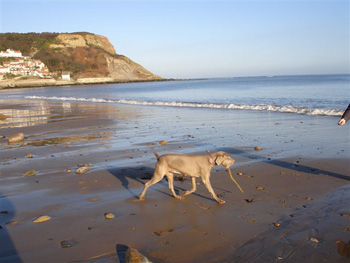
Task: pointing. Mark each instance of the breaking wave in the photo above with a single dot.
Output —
(228, 106)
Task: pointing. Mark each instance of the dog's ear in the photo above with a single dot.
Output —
(211, 161)
(219, 159)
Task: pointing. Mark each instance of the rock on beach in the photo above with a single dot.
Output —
(109, 215)
(18, 137)
(42, 219)
(82, 170)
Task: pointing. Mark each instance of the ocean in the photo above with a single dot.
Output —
(284, 115)
(325, 95)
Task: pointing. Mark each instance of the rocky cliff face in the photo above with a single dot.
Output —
(98, 58)
(84, 54)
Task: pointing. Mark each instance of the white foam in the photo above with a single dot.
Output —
(230, 106)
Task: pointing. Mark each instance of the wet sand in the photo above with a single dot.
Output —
(303, 189)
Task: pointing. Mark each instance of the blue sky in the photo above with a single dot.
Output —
(194, 39)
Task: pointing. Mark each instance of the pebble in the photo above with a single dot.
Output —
(12, 223)
(66, 244)
(3, 117)
(257, 148)
(18, 137)
(69, 170)
(277, 224)
(42, 219)
(252, 221)
(30, 173)
(29, 155)
(314, 240)
(260, 188)
(240, 174)
(82, 170)
(163, 142)
(109, 215)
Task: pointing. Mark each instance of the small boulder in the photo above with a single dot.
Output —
(134, 256)
(2, 117)
(42, 219)
(30, 173)
(109, 215)
(18, 137)
(82, 170)
(66, 244)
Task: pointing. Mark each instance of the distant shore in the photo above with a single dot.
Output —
(29, 83)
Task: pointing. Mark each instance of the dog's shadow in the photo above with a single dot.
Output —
(140, 174)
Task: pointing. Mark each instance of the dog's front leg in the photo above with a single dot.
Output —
(211, 190)
(170, 177)
(194, 187)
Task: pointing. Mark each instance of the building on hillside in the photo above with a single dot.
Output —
(65, 75)
(11, 53)
(4, 70)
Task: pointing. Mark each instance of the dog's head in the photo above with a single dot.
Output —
(222, 158)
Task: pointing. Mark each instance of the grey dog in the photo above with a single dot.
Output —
(188, 165)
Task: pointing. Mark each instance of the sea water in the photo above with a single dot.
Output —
(326, 95)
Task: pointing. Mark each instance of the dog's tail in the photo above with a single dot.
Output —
(156, 154)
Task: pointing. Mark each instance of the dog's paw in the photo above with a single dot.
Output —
(179, 197)
(221, 202)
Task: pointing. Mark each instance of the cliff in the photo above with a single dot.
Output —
(84, 54)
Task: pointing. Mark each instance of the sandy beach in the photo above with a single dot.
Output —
(294, 207)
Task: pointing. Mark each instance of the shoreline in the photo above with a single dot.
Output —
(4, 85)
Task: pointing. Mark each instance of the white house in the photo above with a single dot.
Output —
(65, 75)
(11, 53)
(4, 69)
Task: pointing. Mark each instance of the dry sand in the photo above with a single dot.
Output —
(308, 197)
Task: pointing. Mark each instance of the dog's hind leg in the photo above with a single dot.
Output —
(170, 177)
(157, 176)
(194, 187)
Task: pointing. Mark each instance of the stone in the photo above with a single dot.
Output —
(30, 173)
(18, 137)
(109, 215)
(163, 142)
(42, 219)
(29, 155)
(82, 170)
(12, 223)
(66, 244)
(257, 148)
(134, 256)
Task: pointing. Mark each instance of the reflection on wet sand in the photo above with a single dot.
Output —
(69, 139)
(25, 117)
(31, 113)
